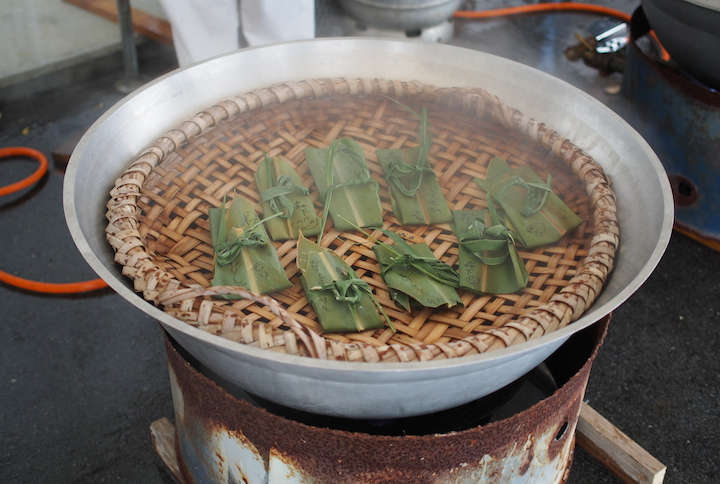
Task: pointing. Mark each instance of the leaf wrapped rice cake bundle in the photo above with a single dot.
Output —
(282, 192)
(414, 276)
(350, 195)
(488, 260)
(243, 254)
(534, 213)
(415, 194)
(342, 301)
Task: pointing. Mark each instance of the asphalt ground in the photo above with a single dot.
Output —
(82, 377)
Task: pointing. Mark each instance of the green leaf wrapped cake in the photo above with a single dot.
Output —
(283, 193)
(342, 301)
(415, 194)
(243, 254)
(488, 260)
(415, 276)
(534, 213)
(350, 195)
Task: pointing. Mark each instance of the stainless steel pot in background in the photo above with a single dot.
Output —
(401, 14)
(366, 390)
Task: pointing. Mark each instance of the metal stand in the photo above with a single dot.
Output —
(131, 79)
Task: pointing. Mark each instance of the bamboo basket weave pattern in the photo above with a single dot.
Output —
(159, 229)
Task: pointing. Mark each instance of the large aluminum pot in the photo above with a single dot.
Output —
(367, 390)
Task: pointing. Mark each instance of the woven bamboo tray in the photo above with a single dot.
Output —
(159, 229)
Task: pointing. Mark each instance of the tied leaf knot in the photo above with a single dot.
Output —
(277, 195)
(226, 252)
(432, 267)
(481, 239)
(345, 290)
(535, 194)
(398, 170)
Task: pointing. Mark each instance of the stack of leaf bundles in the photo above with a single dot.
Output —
(243, 255)
(346, 188)
(415, 194)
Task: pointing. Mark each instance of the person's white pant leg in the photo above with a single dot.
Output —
(203, 28)
(270, 21)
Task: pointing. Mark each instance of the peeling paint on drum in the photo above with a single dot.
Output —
(224, 439)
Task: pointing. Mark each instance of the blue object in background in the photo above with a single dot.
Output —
(680, 120)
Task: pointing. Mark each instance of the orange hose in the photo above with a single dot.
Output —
(555, 7)
(26, 182)
(35, 286)
(544, 7)
(51, 287)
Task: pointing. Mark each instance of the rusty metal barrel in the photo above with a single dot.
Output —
(222, 438)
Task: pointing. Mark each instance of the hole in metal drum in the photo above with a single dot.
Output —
(684, 191)
(561, 432)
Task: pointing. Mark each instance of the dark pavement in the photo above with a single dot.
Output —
(83, 377)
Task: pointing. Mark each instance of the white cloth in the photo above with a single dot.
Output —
(205, 28)
(202, 28)
(270, 21)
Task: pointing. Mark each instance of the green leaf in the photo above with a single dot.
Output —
(282, 192)
(488, 261)
(342, 301)
(346, 188)
(415, 194)
(243, 255)
(535, 214)
(415, 276)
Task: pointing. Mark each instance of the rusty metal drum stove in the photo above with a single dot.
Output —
(222, 438)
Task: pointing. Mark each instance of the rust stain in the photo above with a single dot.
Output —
(335, 456)
(187, 477)
(529, 455)
(241, 475)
